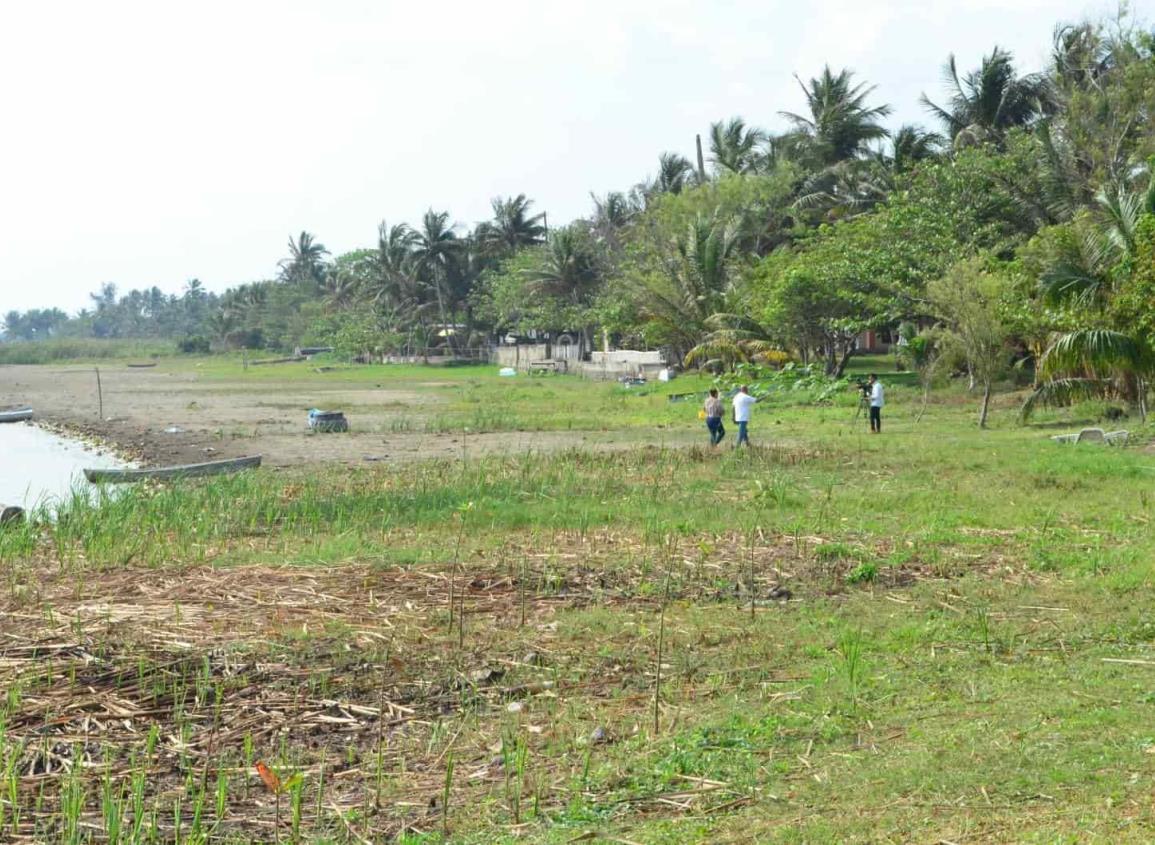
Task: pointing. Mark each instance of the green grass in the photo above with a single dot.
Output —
(89, 350)
(947, 666)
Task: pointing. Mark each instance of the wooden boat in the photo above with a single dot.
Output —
(126, 476)
(142, 366)
(15, 415)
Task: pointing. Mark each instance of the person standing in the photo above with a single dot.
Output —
(876, 403)
(742, 402)
(714, 417)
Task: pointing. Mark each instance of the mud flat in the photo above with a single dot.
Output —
(173, 414)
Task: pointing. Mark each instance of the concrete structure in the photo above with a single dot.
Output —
(566, 358)
(624, 362)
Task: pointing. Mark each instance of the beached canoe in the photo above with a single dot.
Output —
(142, 366)
(126, 476)
(15, 415)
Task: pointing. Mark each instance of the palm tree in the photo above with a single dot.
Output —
(1114, 358)
(340, 289)
(695, 283)
(733, 339)
(395, 284)
(987, 102)
(845, 190)
(840, 125)
(613, 212)
(512, 227)
(105, 298)
(222, 323)
(674, 174)
(566, 271)
(194, 290)
(306, 261)
(733, 146)
(1081, 57)
(911, 145)
(436, 247)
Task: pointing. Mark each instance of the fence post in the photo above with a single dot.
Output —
(99, 395)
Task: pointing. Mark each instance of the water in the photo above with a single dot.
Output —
(41, 468)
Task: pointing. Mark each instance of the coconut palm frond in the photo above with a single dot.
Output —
(1094, 352)
(1061, 393)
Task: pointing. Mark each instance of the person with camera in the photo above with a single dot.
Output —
(873, 389)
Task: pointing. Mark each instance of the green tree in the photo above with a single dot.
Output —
(969, 300)
(689, 282)
(734, 147)
(436, 248)
(306, 262)
(912, 145)
(1106, 272)
(512, 227)
(982, 105)
(838, 124)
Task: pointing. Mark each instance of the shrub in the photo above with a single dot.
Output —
(193, 345)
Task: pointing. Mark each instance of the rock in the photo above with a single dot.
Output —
(781, 593)
(485, 675)
(514, 707)
(599, 736)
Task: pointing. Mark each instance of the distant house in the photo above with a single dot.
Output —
(875, 340)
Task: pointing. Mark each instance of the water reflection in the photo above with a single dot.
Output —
(38, 468)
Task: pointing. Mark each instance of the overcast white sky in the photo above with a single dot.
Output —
(149, 143)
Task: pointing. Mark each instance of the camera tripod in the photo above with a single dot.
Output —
(862, 403)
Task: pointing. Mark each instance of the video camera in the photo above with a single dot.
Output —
(863, 388)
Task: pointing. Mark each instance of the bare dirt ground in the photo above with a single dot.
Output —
(160, 416)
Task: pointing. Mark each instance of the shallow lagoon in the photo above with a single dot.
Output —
(38, 467)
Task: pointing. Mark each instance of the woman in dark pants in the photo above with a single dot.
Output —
(714, 417)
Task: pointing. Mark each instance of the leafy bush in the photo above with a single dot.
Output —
(193, 345)
(864, 573)
(808, 384)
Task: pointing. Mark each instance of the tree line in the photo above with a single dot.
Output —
(1020, 228)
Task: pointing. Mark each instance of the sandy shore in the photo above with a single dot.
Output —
(161, 416)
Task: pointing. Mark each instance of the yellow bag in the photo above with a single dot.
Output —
(702, 414)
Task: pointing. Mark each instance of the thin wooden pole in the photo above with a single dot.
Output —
(99, 395)
(701, 161)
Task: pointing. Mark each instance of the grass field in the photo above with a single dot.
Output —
(938, 634)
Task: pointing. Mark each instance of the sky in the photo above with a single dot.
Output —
(147, 143)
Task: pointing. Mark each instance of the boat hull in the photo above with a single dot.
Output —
(127, 476)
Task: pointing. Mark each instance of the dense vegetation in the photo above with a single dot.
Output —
(1022, 231)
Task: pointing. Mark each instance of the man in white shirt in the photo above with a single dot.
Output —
(742, 402)
(876, 403)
